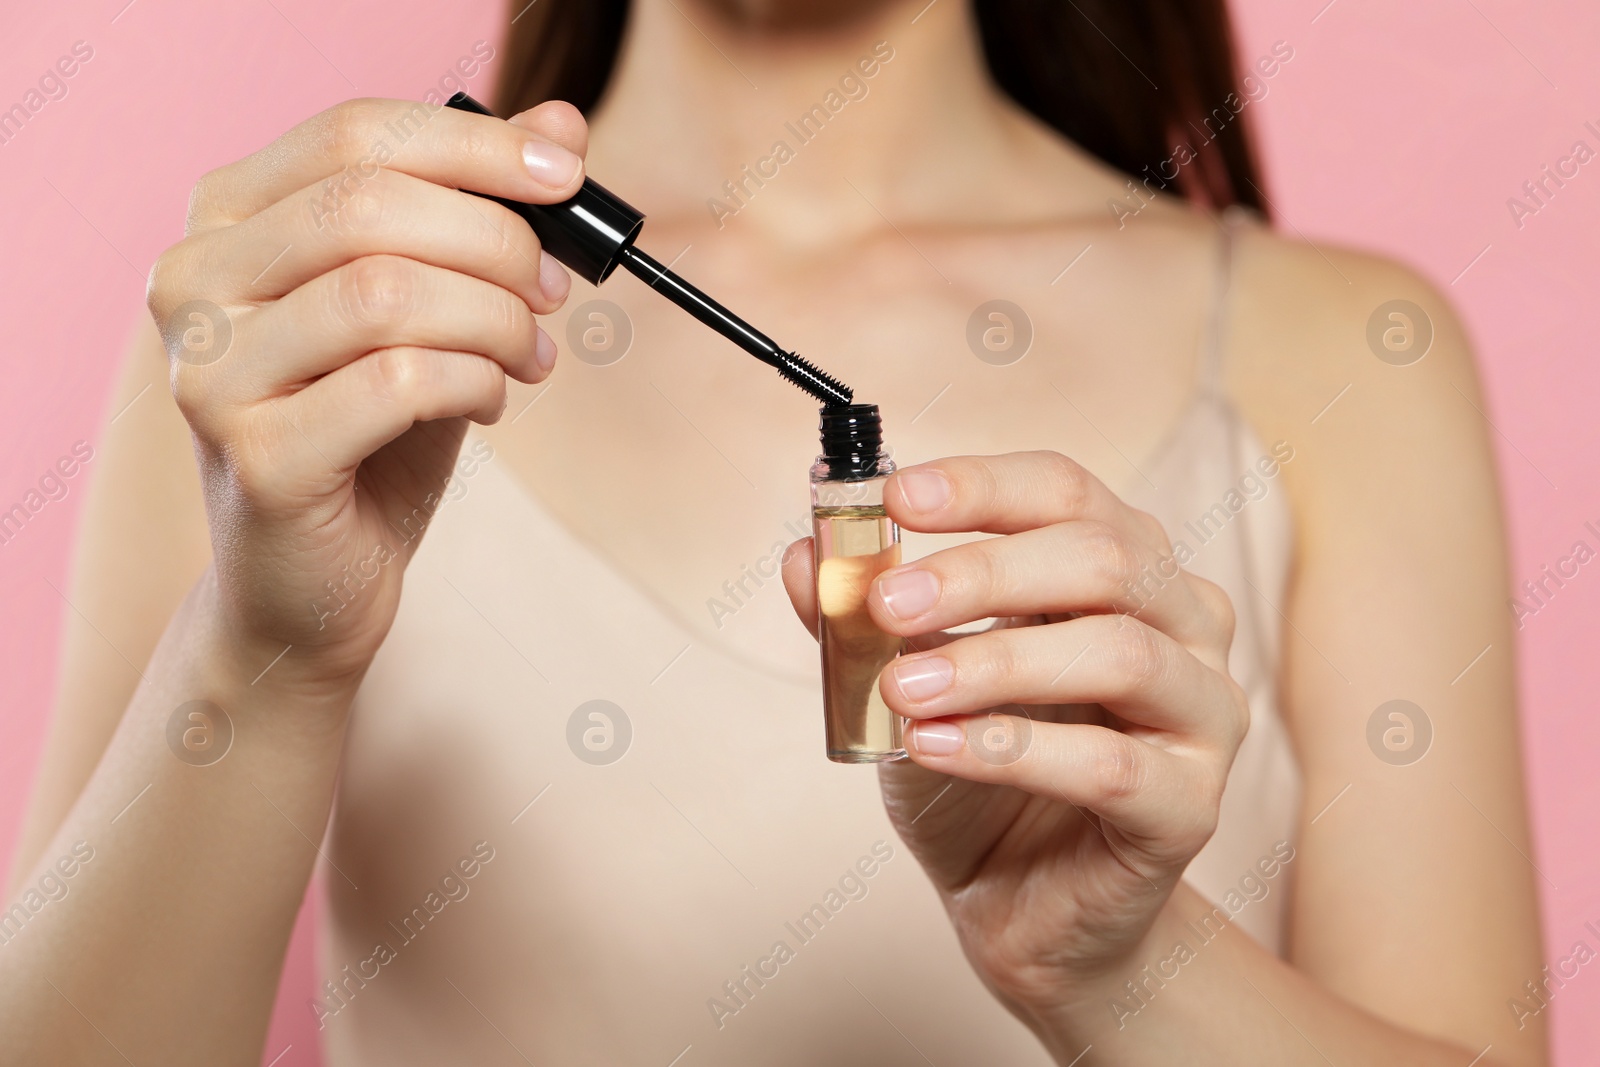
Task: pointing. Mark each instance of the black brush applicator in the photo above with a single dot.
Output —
(593, 234)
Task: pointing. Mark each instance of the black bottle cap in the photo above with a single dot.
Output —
(852, 437)
(588, 232)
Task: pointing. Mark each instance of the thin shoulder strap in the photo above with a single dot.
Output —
(1213, 340)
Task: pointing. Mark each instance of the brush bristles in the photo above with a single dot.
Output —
(815, 381)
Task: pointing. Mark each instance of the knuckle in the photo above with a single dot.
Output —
(1238, 722)
(979, 573)
(162, 283)
(478, 147)
(364, 200)
(192, 392)
(1109, 553)
(492, 387)
(1201, 823)
(510, 318)
(513, 246)
(346, 128)
(998, 659)
(376, 290)
(206, 202)
(1219, 607)
(494, 378)
(1138, 658)
(1118, 771)
(1056, 464)
(358, 201)
(250, 473)
(258, 475)
(487, 376)
(976, 482)
(1068, 479)
(1153, 530)
(240, 461)
(397, 374)
(1209, 816)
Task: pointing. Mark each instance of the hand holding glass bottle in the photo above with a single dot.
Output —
(1079, 747)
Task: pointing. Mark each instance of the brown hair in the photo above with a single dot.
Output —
(1128, 80)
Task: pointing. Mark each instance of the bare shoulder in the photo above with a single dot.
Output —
(1364, 368)
(1397, 616)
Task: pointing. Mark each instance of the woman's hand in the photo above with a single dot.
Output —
(335, 315)
(1068, 762)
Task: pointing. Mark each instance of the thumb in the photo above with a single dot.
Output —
(558, 122)
(800, 581)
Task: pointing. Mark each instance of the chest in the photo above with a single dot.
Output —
(677, 456)
(673, 861)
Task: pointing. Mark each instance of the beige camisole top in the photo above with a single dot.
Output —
(720, 894)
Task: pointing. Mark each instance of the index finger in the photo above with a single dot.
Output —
(537, 160)
(1009, 494)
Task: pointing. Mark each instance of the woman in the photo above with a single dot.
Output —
(1263, 536)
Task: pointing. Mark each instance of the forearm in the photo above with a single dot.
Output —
(165, 941)
(1224, 1001)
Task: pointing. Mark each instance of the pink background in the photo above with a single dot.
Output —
(1400, 125)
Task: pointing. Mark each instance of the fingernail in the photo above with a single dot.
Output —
(544, 350)
(925, 490)
(937, 738)
(550, 164)
(554, 281)
(923, 678)
(909, 593)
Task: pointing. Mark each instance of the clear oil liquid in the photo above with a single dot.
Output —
(854, 544)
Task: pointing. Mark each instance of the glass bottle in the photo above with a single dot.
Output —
(855, 541)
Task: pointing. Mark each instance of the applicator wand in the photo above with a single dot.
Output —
(593, 234)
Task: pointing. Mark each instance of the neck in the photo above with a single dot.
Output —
(702, 112)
